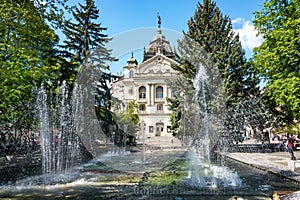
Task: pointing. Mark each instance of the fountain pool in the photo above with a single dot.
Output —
(95, 184)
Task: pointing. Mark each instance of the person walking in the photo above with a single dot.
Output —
(290, 146)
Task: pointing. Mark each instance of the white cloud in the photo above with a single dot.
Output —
(247, 33)
(238, 21)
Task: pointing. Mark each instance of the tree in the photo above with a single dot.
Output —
(213, 31)
(221, 53)
(128, 121)
(85, 46)
(277, 58)
(85, 38)
(185, 112)
(27, 58)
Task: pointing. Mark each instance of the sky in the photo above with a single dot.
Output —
(133, 23)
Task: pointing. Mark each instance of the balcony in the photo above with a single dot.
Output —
(159, 100)
(143, 112)
(142, 100)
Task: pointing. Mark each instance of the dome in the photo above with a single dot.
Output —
(158, 45)
(131, 62)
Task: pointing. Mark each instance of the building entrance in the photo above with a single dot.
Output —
(159, 129)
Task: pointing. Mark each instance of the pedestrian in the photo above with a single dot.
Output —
(290, 146)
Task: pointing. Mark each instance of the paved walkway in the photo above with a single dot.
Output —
(275, 162)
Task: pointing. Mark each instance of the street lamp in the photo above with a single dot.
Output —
(143, 133)
(125, 134)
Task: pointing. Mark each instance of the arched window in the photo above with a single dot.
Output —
(159, 92)
(142, 107)
(131, 74)
(174, 94)
(130, 91)
(142, 92)
(160, 106)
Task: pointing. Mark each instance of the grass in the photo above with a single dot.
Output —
(166, 178)
(172, 173)
(119, 178)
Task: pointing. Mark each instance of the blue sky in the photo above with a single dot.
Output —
(133, 23)
(123, 15)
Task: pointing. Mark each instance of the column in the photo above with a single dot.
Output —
(149, 94)
(165, 93)
(153, 93)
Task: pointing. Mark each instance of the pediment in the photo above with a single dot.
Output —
(158, 64)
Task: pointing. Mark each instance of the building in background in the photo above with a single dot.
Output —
(146, 83)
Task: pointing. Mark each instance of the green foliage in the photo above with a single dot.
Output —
(174, 105)
(277, 58)
(286, 95)
(291, 129)
(185, 112)
(213, 31)
(85, 52)
(103, 102)
(211, 42)
(84, 37)
(132, 111)
(27, 58)
(128, 120)
(84, 46)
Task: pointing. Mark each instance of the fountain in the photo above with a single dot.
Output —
(60, 143)
(202, 172)
(70, 129)
(202, 122)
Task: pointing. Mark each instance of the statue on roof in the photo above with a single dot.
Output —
(158, 20)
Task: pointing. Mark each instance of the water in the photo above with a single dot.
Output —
(209, 104)
(260, 182)
(60, 143)
(68, 132)
(202, 174)
(256, 184)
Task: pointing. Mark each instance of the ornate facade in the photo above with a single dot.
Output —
(146, 84)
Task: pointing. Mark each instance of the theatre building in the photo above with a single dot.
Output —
(146, 83)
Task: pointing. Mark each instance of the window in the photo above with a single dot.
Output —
(159, 92)
(160, 107)
(130, 91)
(131, 74)
(159, 128)
(169, 129)
(150, 129)
(142, 107)
(142, 92)
(174, 94)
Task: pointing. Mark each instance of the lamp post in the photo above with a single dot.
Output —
(143, 133)
(125, 134)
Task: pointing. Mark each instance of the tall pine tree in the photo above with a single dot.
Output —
(89, 58)
(213, 31)
(85, 41)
